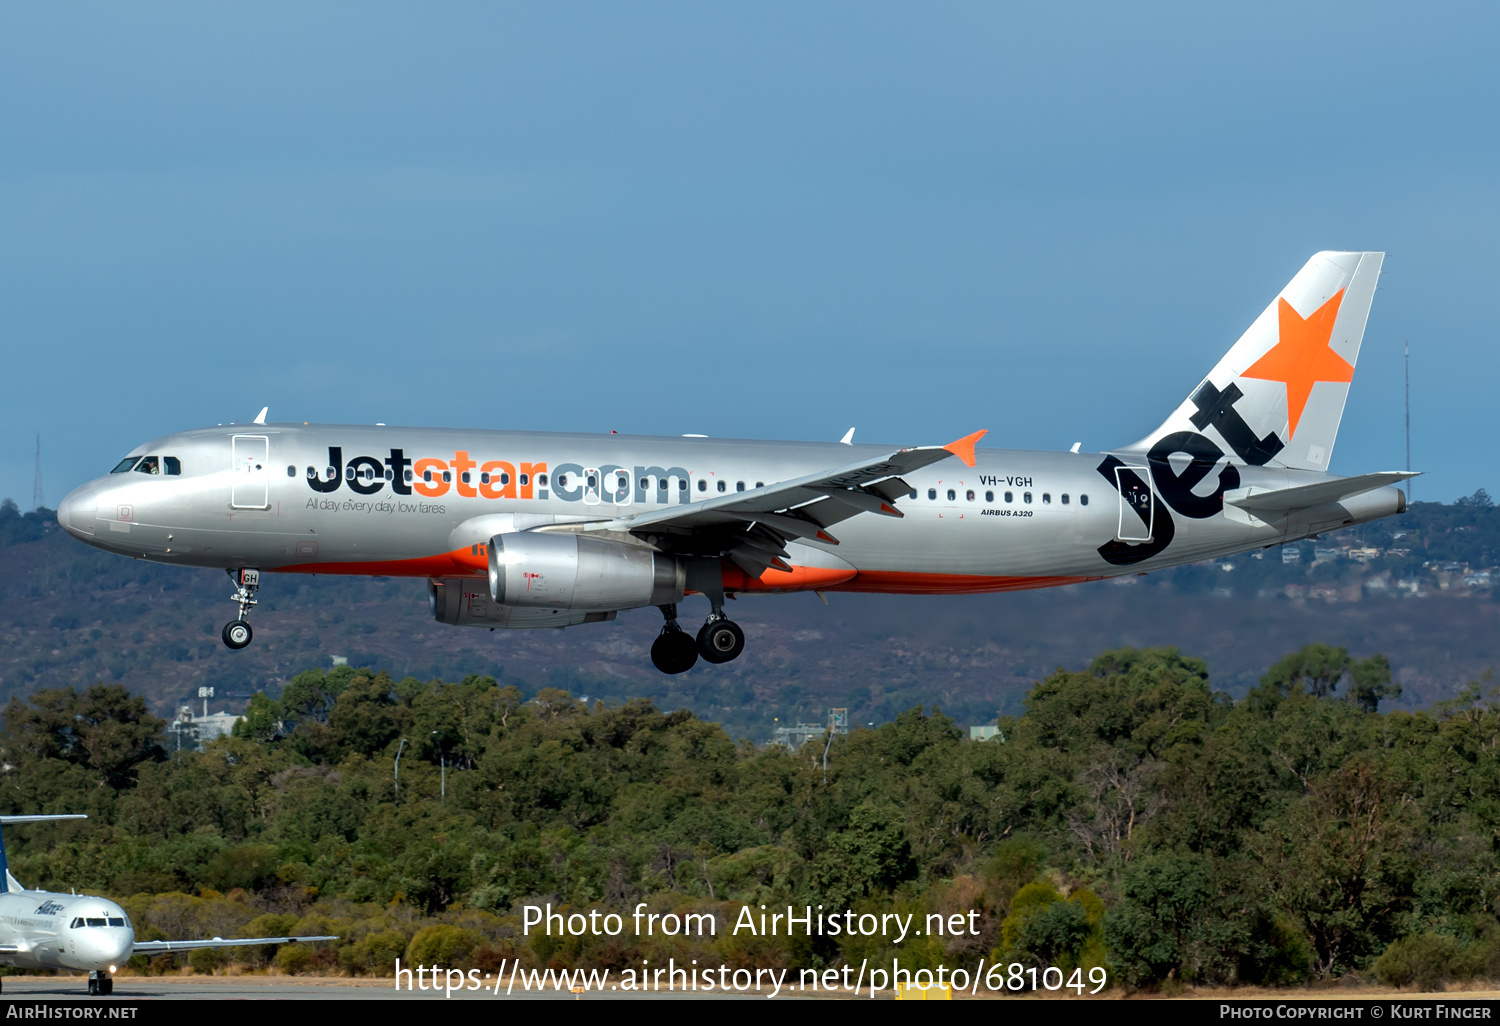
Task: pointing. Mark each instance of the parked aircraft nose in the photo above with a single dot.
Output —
(76, 512)
(110, 946)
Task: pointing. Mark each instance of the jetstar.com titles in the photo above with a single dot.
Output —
(468, 476)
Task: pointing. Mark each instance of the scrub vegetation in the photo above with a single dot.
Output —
(1130, 816)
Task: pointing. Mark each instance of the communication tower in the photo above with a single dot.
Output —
(37, 499)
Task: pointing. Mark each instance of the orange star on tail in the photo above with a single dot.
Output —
(1302, 357)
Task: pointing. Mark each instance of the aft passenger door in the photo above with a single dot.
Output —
(1137, 507)
(251, 477)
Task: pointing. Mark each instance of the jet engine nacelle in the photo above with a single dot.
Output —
(576, 572)
(465, 602)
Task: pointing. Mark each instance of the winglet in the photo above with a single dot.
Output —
(260, 418)
(964, 447)
(848, 438)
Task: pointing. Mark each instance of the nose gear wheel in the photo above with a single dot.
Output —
(237, 633)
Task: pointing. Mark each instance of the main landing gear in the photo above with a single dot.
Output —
(101, 983)
(675, 651)
(237, 633)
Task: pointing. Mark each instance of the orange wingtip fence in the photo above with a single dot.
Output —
(964, 447)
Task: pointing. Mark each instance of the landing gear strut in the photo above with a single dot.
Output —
(720, 638)
(674, 650)
(237, 633)
(101, 983)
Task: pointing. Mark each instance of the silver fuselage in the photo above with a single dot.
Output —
(337, 499)
(43, 930)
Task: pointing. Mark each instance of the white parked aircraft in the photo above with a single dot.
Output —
(527, 529)
(43, 930)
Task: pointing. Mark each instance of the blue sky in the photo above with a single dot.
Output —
(768, 220)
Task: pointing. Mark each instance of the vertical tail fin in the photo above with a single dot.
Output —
(1277, 396)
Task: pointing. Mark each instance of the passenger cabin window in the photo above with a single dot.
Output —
(525, 479)
(932, 493)
(1065, 498)
(541, 479)
(989, 496)
(291, 471)
(1083, 500)
(912, 494)
(408, 475)
(447, 477)
(739, 486)
(562, 480)
(952, 495)
(702, 485)
(484, 477)
(721, 486)
(1010, 497)
(970, 495)
(124, 465)
(1047, 498)
(1026, 497)
(148, 465)
(760, 484)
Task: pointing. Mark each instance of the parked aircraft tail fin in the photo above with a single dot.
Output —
(1277, 396)
(6, 880)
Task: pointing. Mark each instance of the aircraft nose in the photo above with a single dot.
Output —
(76, 512)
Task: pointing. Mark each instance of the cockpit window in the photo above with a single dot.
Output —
(75, 924)
(148, 465)
(98, 922)
(116, 921)
(125, 464)
(172, 465)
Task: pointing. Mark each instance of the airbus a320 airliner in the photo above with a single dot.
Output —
(528, 529)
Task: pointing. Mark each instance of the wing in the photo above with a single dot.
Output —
(752, 528)
(157, 947)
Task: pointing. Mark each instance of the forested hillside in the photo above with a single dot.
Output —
(1131, 816)
(72, 615)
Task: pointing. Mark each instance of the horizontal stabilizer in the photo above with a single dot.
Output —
(155, 947)
(1284, 500)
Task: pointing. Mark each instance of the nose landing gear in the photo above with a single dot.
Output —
(237, 633)
(101, 983)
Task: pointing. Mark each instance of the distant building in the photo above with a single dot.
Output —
(1290, 555)
(985, 734)
(794, 737)
(189, 732)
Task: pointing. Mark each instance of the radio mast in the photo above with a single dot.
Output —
(37, 499)
(1406, 346)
